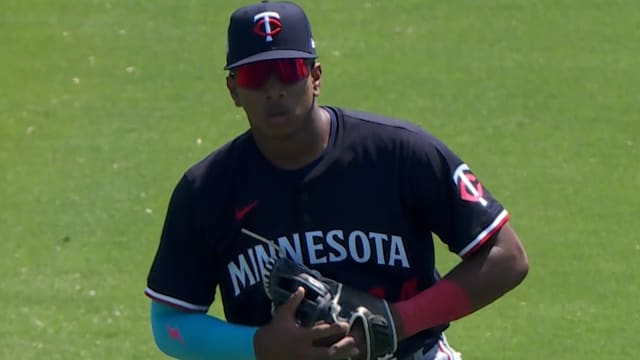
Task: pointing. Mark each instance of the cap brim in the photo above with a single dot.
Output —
(271, 55)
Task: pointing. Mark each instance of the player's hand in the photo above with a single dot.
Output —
(283, 338)
(357, 332)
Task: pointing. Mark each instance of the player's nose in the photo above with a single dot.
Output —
(274, 88)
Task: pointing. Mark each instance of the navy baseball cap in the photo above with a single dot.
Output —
(267, 31)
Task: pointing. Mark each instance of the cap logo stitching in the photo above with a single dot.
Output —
(267, 24)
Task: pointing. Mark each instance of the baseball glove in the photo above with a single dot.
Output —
(331, 301)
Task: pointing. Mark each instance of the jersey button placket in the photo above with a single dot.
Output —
(304, 199)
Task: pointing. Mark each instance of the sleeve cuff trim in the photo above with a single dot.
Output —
(173, 301)
(485, 234)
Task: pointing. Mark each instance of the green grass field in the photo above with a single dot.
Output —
(103, 105)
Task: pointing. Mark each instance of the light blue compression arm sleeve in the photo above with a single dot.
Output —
(198, 336)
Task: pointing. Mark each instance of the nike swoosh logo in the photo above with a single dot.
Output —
(242, 212)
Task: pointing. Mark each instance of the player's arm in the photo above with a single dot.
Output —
(442, 192)
(181, 286)
(197, 336)
(194, 335)
(498, 266)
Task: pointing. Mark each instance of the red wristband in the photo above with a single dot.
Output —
(443, 302)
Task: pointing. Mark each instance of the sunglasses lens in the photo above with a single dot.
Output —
(288, 71)
(291, 70)
(253, 76)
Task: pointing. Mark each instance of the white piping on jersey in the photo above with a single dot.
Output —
(264, 240)
(177, 302)
(482, 237)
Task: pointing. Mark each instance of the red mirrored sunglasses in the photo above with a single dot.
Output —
(255, 75)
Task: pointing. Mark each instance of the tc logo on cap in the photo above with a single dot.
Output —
(267, 24)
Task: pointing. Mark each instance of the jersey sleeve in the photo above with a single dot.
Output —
(448, 197)
(181, 273)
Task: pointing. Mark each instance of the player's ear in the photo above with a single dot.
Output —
(231, 86)
(316, 74)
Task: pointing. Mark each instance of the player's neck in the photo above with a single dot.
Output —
(301, 147)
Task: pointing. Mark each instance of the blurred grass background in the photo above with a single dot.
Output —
(104, 103)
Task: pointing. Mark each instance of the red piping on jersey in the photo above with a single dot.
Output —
(487, 236)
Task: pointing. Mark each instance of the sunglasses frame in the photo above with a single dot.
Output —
(253, 76)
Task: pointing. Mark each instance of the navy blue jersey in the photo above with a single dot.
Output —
(364, 214)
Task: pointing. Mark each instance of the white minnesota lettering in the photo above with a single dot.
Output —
(321, 248)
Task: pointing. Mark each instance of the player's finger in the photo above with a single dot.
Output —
(357, 333)
(292, 303)
(341, 349)
(345, 347)
(326, 330)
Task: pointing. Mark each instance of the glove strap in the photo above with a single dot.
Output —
(379, 332)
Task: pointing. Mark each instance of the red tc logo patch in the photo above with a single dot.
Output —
(469, 187)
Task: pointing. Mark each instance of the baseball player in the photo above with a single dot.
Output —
(354, 196)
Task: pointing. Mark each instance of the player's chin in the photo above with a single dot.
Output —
(279, 127)
(281, 124)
